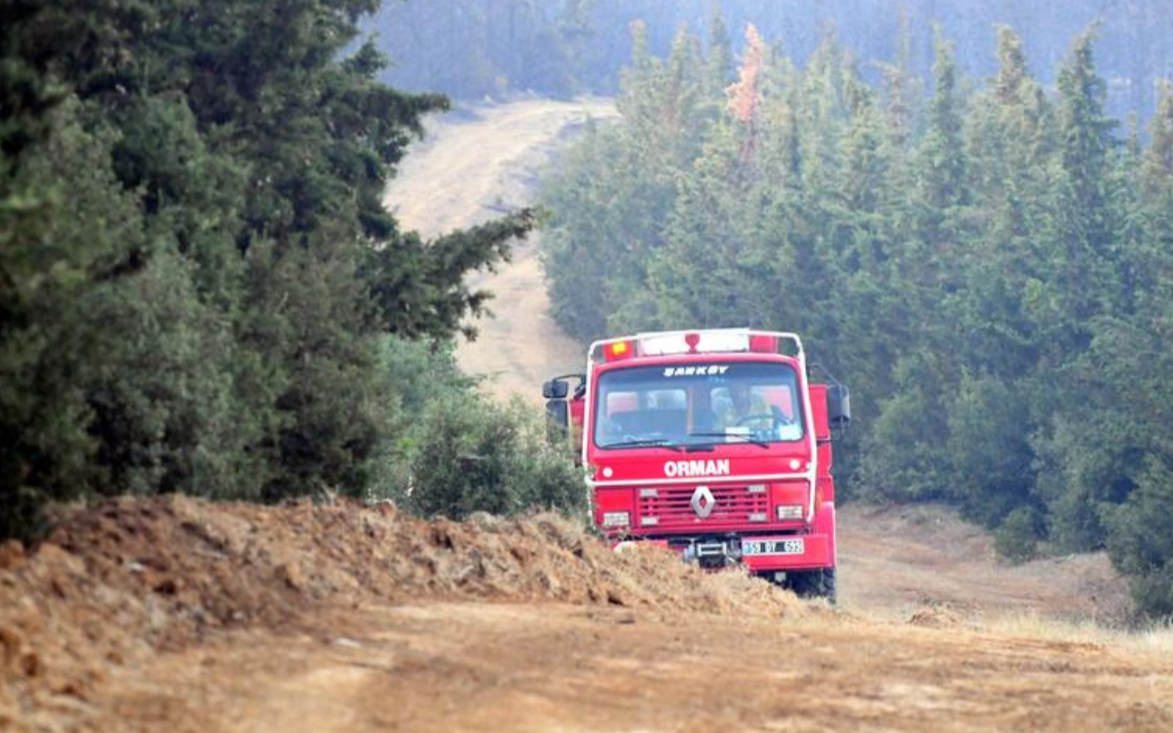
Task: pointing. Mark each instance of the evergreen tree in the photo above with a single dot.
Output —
(197, 272)
(1087, 446)
(942, 151)
(65, 230)
(719, 62)
(1088, 225)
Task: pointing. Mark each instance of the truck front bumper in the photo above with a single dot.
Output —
(758, 553)
(787, 552)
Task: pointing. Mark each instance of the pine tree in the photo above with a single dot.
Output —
(197, 272)
(1089, 227)
(942, 152)
(67, 232)
(719, 62)
(901, 91)
(745, 95)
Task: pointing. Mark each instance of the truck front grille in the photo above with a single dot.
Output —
(672, 507)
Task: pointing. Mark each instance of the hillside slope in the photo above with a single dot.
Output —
(469, 169)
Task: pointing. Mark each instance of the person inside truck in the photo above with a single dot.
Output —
(747, 408)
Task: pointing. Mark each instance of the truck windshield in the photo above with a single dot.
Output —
(697, 405)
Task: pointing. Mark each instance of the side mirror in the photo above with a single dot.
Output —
(555, 389)
(557, 419)
(838, 406)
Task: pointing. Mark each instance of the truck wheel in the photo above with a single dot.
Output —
(814, 584)
(830, 590)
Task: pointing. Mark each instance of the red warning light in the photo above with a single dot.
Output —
(762, 344)
(692, 339)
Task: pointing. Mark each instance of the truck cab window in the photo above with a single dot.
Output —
(729, 402)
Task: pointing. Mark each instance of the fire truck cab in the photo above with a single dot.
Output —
(712, 443)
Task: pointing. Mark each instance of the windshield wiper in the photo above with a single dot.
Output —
(650, 443)
(746, 438)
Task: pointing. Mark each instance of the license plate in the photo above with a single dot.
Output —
(772, 547)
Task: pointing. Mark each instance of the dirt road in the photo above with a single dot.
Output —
(474, 165)
(476, 667)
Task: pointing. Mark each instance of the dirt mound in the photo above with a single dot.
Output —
(129, 577)
(937, 617)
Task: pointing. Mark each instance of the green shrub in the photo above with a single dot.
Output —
(1139, 541)
(1017, 538)
(469, 454)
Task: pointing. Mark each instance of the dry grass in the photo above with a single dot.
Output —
(1155, 639)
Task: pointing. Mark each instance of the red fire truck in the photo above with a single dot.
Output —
(713, 443)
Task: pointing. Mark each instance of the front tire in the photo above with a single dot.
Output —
(814, 584)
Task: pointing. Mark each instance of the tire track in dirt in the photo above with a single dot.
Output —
(546, 668)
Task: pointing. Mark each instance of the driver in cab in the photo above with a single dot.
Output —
(746, 409)
(749, 411)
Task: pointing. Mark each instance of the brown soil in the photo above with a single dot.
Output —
(178, 615)
(118, 585)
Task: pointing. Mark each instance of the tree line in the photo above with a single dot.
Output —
(987, 262)
(473, 48)
(200, 288)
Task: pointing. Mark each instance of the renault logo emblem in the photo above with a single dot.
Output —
(703, 501)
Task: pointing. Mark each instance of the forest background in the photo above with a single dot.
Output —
(200, 291)
(986, 261)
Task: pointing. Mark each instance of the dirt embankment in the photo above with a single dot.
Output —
(178, 615)
(128, 579)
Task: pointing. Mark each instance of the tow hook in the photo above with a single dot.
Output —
(712, 553)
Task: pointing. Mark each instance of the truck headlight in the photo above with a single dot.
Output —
(790, 511)
(616, 519)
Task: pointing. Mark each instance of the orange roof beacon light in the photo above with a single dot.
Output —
(618, 350)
